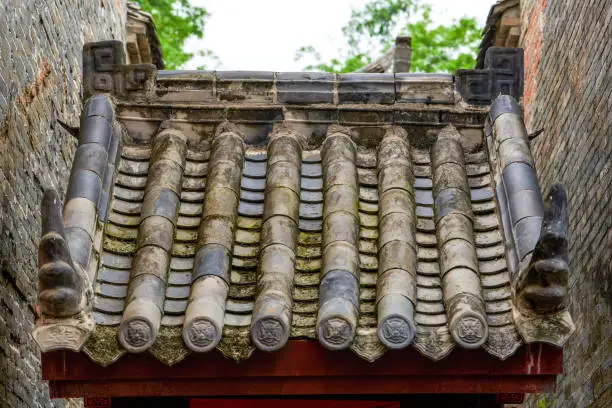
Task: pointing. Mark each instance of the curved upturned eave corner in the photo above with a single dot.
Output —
(536, 232)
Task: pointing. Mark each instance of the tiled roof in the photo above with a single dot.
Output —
(206, 215)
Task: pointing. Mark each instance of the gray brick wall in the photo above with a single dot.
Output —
(40, 71)
(568, 61)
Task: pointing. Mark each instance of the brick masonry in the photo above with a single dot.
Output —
(40, 72)
(568, 93)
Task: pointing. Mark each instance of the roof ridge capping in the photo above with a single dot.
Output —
(536, 231)
(65, 261)
(105, 71)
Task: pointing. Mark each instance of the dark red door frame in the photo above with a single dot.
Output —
(305, 368)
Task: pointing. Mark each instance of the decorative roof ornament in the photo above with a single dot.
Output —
(66, 262)
(539, 259)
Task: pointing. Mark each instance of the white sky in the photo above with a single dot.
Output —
(265, 34)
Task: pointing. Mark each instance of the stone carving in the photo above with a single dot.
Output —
(554, 328)
(542, 286)
(541, 289)
(468, 326)
(367, 345)
(503, 342)
(64, 333)
(433, 342)
(136, 77)
(61, 285)
(470, 330)
(536, 234)
(66, 245)
(202, 333)
(103, 82)
(268, 332)
(137, 333)
(396, 330)
(336, 331)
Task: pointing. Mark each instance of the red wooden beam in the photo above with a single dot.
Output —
(301, 386)
(305, 368)
(305, 358)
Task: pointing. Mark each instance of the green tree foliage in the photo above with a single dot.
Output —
(176, 20)
(372, 30)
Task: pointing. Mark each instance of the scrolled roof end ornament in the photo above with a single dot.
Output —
(542, 286)
(64, 320)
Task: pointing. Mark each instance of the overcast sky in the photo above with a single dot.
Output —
(265, 34)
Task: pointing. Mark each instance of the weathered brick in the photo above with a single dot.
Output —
(567, 92)
(40, 69)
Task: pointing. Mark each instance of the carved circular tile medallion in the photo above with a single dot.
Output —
(201, 335)
(469, 331)
(336, 333)
(137, 335)
(396, 332)
(269, 333)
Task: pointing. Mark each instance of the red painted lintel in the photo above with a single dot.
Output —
(305, 386)
(305, 368)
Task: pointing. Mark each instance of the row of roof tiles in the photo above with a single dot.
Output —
(310, 226)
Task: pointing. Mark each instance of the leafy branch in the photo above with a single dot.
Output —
(371, 31)
(175, 21)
